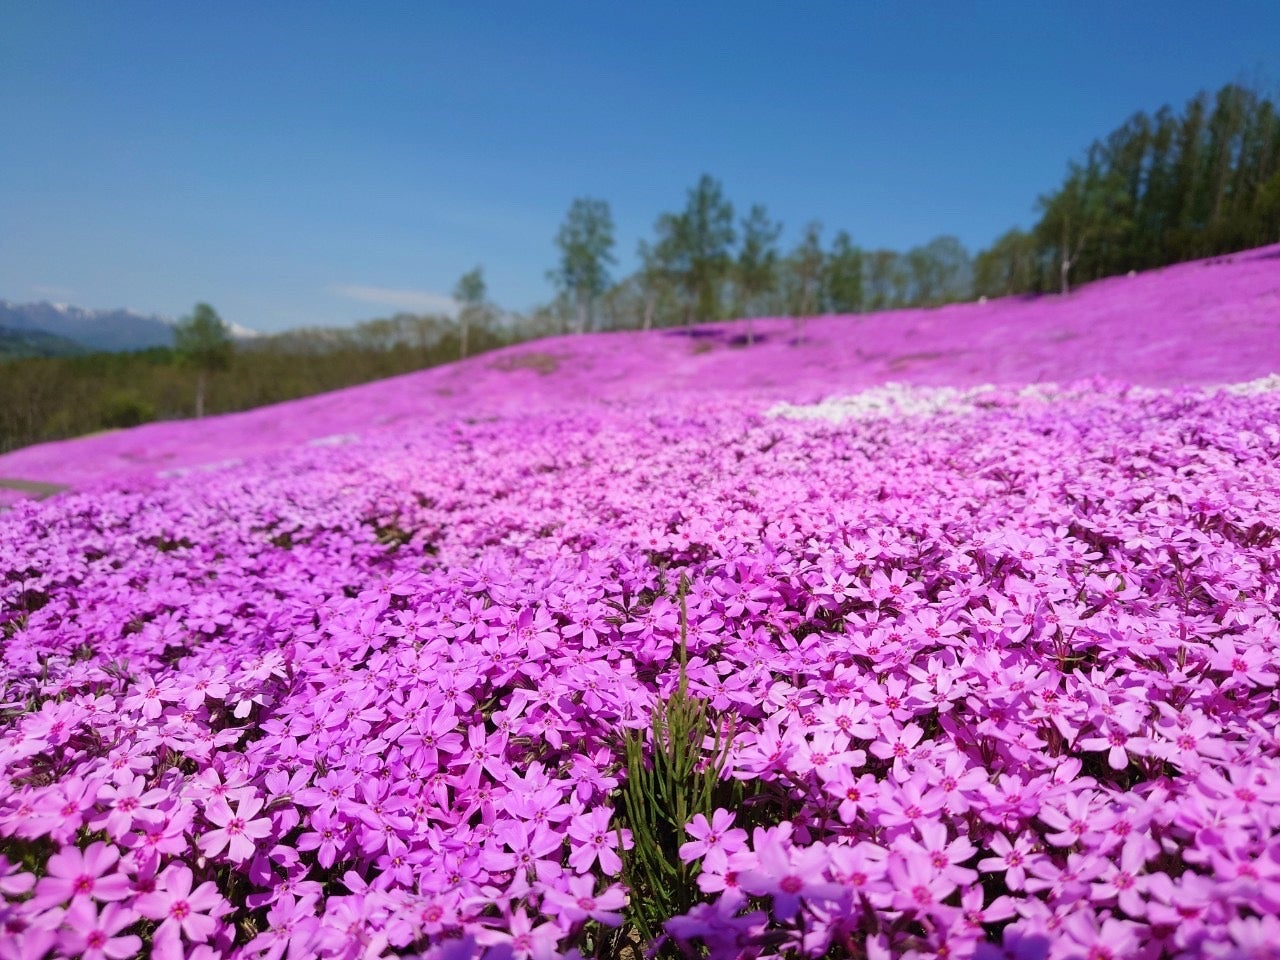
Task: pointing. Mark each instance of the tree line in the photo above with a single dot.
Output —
(207, 372)
(1159, 189)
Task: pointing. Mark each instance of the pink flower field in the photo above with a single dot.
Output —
(979, 664)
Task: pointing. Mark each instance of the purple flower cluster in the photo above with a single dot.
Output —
(1002, 681)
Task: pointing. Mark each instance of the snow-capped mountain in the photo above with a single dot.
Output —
(96, 329)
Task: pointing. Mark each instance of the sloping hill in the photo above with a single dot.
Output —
(16, 344)
(1205, 322)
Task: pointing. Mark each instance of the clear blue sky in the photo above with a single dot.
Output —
(320, 163)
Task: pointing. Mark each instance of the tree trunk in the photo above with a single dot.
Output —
(650, 304)
(462, 339)
(582, 315)
(201, 379)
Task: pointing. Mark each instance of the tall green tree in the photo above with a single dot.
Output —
(1007, 267)
(843, 280)
(804, 268)
(887, 279)
(204, 342)
(698, 244)
(470, 293)
(586, 252)
(756, 270)
(941, 272)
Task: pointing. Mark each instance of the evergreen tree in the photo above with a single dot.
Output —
(698, 243)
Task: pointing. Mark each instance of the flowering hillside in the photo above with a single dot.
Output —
(1208, 322)
(927, 671)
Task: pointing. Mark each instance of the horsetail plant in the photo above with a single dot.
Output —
(673, 773)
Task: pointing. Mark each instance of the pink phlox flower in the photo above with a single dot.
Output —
(210, 684)
(1011, 859)
(525, 848)
(1187, 738)
(61, 809)
(825, 753)
(148, 697)
(473, 620)
(1238, 788)
(92, 936)
(330, 790)
(1253, 938)
(891, 698)
(899, 744)
(1099, 936)
(329, 836)
(1125, 881)
(849, 715)
(128, 800)
(1072, 821)
(575, 900)
(1245, 664)
(146, 842)
(895, 588)
(1067, 883)
(918, 888)
(1116, 741)
(74, 874)
(236, 830)
(231, 786)
(292, 925)
(975, 914)
(856, 794)
(1111, 589)
(713, 841)
(181, 910)
(861, 869)
(958, 780)
(771, 749)
(522, 938)
(909, 803)
(592, 839)
(787, 873)
(1011, 799)
(944, 853)
(1256, 878)
(14, 881)
(540, 805)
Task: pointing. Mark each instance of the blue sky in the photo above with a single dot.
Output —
(298, 163)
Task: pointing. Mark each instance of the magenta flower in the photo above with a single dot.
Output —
(918, 887)
(577, 901)
(788, 874)
(523, 938)
(91, 936)
(193, 913)
(1011, 859)
(78, 875)
(595, 840)
(713, 841)
(236, 830)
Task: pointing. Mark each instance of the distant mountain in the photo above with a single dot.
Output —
(35, 343)
(112, 330)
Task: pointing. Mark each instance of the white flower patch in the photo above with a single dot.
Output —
(904, 400)
(890, 400)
